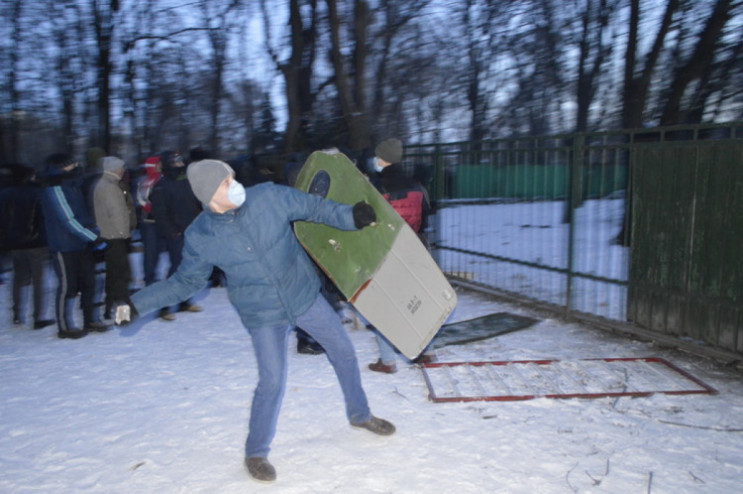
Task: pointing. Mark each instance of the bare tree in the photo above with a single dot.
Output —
(297, 70)
(11, 11)
(218, 20)
(638, 70)
(350, 72)
(395, 15)
(595, 47)
(104, 23)
(684, 101)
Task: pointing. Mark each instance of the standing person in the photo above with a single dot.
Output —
(91, 172)
(272, 284)
(152, 241)
(410, 200)
(115, 218)
(22, 233)
(174, 207)
(71, 235)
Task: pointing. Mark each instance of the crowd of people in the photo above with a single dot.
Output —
(81, 217)
(73, 217)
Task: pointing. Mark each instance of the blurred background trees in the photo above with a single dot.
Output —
(239, 77)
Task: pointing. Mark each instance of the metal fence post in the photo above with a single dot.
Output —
(574, 199)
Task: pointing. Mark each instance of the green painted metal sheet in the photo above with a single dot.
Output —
(349, 258)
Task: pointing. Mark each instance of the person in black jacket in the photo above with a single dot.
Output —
(174, 207)
(22, 233)
(73, 239)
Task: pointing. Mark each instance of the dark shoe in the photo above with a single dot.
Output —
(165, 315)
(73, 334)
(97, 326)
(380, 366)
(309, 347)
(426, 358)
(260, 469)
(17, 321)
(377, 426)
(42, 323)
(189, 308)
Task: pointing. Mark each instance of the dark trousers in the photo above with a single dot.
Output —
(118, 271)
(29, 266)
(175, 252)
(76, 274)
(153, 243)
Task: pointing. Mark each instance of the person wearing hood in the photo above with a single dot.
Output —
(72, 237)
(272, 284)
(174, 207)
(115, 218)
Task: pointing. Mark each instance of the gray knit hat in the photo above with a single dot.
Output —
(112, 164)
(205, 177)
(389, 150)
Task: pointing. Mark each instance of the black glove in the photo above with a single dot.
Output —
(124, 312)
(363, 215)
(99, 244)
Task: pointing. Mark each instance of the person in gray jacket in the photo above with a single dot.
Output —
(272, 284)
(115, 218)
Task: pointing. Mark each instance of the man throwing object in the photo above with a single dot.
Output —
(272, 284)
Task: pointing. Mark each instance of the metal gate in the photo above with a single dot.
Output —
(549, 219)
(686, 272)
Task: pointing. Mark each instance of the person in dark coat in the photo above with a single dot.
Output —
(72, 238)
(22, 234)
(174, 207)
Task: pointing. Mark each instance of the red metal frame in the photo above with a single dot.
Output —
(706, 389)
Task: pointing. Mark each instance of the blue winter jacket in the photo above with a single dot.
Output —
(270, 279)
(69, 224)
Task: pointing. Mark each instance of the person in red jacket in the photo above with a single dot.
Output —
(152, 241)
(410, 200)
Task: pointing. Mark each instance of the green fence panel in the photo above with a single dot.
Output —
(533, 181)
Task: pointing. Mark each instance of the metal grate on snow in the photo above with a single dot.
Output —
(528, 379)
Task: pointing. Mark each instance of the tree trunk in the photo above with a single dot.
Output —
(351, 90)
(104, 26)
(699, 65)
(637, 85)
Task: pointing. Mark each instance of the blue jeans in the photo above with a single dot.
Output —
(387, 352)
(270, 347)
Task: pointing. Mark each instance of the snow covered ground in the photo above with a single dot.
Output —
(162, 407)
(534, 232)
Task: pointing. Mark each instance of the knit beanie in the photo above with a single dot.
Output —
(389, 150)
(205, 177)
(112, 164)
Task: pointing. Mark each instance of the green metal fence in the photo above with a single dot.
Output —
(686, 274)
(547, 218)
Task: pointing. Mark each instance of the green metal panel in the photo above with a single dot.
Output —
(686, 270)
(534, 181)
(350, 258)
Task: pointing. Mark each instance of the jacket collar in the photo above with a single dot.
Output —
(221, 217)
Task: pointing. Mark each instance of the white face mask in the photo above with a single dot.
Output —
(377, 167)
(236, 193)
